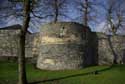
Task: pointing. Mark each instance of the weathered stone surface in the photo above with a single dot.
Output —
(9, 42)
(109, 47)
(60, 56)
(62, 46)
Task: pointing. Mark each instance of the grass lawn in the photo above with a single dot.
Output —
(105, 75)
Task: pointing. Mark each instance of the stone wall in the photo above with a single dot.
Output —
(91, 49)
(62, 46)
(9, 42)
(32, 44)
(110, 48)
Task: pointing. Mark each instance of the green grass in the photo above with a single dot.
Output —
(106, 75)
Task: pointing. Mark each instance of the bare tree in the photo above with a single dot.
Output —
(86, 6)
(88, 10)
(22, 70)
(25, 7)
(114, 18)
(115, 15)
(51, 9)
(24, 11)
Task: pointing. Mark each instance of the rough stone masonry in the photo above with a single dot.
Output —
(9, 42)
(64, 45)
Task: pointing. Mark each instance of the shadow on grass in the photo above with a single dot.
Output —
(96, 72)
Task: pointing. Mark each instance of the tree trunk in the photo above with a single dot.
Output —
(21, 58)
(112, 49)
(56, 10)
(86, 13)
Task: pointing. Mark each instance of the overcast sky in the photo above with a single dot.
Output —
(99, 26)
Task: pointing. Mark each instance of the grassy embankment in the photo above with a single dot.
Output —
(90, 75)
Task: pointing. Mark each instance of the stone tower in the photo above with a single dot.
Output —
(62, 46)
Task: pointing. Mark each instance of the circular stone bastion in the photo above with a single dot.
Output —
(62, 46)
